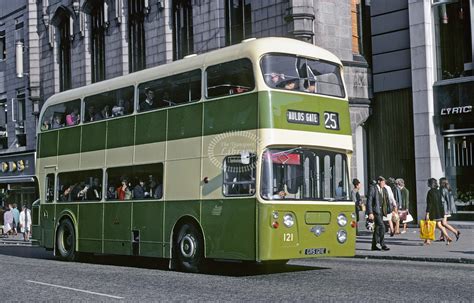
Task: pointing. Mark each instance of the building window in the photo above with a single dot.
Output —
(3, 122)
(454, 51)
(20, 117)
(182, 28)
(64, 54)
(356, 36)
(98, 42)
(136, 35)
(3, 47)
(238, 21)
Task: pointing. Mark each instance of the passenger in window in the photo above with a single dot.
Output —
(158, 192)
(83, 193)
(139, 191)
(149, 102)
(276, 78)
(67, 194)
(123, 191)
(111, 193)
(151, 185)
(105, 112)
(92, 114)
(46, 125)
(240, 90)
(119, 108)
(310, 86)
(57, 122)
(291, 84)
(95, 191)
(73, 118)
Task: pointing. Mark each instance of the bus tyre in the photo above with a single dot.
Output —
(189, 248)
(66, 241)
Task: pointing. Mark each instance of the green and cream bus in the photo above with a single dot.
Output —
(241, 153)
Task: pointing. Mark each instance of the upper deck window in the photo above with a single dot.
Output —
(170, 91)
(61, 115)
(109, 104)
(295, 73)
(230, 78)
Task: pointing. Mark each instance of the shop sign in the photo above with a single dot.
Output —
(456, 110)
(17, 165)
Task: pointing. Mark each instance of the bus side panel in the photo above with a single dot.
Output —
(47, 215)
(174, 210)
(229, 228)
(274, 106)
(90, 221)
(117, 223)
(302, 239)
(148, 221)
(230, 114)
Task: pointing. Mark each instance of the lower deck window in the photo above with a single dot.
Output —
(80, 186)
(239, 175)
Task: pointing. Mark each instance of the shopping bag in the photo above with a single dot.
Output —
(427, 229)
(408, 219)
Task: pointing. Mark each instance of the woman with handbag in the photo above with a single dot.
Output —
(404, 202)
(447, 198)
(434, 209)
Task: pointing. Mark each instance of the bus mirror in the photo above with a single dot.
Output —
(245, 157)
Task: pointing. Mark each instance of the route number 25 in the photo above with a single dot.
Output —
(331, 120)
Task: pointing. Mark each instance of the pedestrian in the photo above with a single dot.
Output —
(25, 222)
(404, 201)
(447, 198)
(389, 209)
(16, 218)
(434, 209)
(375, 214)
(7, 221)
(356, 198)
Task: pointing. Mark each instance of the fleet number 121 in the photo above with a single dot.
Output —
(288, 237)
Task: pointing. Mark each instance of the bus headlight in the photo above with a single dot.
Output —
(341, 220)
(341, 236)
(288, 220)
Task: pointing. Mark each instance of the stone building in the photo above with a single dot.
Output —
(79, 42)
(19, 100)
(423, 118)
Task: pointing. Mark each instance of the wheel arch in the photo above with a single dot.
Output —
(174, 230)
(66, 215)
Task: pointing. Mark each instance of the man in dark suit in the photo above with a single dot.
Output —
(374, 211)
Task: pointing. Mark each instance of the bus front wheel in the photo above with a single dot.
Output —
(189, 248)
(66, 241)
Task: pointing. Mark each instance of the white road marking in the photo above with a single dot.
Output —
(75, 289)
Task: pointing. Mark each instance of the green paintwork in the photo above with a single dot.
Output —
(148, 219)
(90, 226)
(93, 137)
(117, 222)
(229, 228)
(47, 215)
(240, 112)
(271, 245)
(151, 127)
(228, 114)
(120, 132)
(69, 140)
(274, 105)
(317, 217)
(185, 122)
(48, 144)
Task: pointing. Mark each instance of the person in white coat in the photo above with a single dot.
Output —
(25, 222)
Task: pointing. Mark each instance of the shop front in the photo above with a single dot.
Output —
(454, 104)
(17, 179)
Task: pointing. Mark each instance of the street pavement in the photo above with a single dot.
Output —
(409, 246)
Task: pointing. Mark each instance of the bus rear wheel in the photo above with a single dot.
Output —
(66, 241)
(189, 248)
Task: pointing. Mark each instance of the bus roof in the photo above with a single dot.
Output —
(250, 48)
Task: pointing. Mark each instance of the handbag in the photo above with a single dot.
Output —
(427, 229)
(403, 214)
(408, 219)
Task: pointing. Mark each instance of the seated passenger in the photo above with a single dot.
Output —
(239, 89)
(82, 194)
(106, 113)
(291, 84)
(73, 118)
(57, 122)
(119, 108)
(92, 115)
(158, 192)
(139, 191)
(46, 125)
(149, 102)
(310, 86)
(111, 193)
(95, 191)
(275, 79)
(123, 191)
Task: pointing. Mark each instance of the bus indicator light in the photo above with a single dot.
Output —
(275, 224)
(353, 224)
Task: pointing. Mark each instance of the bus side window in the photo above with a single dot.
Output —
(230, 78)
(239, 175)
(108, 104)
(49, 187)
(80, 186)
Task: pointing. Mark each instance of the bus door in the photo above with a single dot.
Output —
(47, 208)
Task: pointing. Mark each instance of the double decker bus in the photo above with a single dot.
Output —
(241, 153)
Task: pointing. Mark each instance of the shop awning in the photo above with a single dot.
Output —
(22, 179)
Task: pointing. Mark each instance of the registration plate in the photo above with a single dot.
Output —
(315, 251)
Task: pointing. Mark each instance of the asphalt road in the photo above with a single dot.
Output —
(30, 274)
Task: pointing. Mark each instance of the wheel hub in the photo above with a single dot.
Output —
(188, 246)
